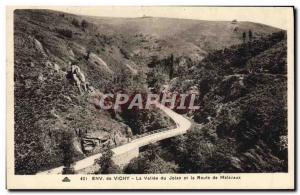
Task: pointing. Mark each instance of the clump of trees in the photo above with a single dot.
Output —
(142, 120)
(83, 24)
(149, 162)
(250, 36)
(273, 61)
(243, 106)
(161, 69)
(106, 164)
(199, 152)
(235, 58)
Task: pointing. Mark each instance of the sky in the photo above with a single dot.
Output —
(280, 17)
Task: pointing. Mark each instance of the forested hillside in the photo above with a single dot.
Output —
(241, 125)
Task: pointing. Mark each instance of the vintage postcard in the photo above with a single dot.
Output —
(150, 98)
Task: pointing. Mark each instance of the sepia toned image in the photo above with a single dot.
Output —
(192, 97)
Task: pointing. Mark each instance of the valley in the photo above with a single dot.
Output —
(65, 63)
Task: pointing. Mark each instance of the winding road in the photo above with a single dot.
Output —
(182, 125)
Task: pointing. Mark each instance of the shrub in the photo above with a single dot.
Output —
(149, 162)
(107, 166)
(65, 32)
(84, 24)
(75, 22)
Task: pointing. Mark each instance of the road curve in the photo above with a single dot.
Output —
(182, 124)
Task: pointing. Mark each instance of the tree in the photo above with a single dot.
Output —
(244, 37)
(68, 151)
(84, 24)
(250, 35)
(107, 165)
(171, 66)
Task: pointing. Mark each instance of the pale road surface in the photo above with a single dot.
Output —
(182, 124)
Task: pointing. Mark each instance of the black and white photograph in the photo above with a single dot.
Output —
(131, 91)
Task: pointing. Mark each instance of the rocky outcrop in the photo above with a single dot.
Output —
(91, 143)
(95, 59)
(71, 54)
(55, 67)
(133, 70)
(39, 47)
(78, 49)
(77, 77)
